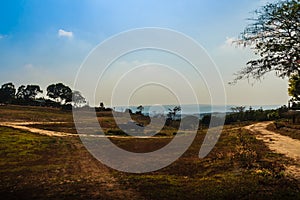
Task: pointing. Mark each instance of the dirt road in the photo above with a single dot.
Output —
(23, 126)
(280, 144)
(26, 127)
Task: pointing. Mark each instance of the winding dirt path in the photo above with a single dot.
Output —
(24, 126)
(279, 144)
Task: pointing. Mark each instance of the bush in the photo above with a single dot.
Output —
(116, 132)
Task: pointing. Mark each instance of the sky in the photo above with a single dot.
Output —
(45, 42)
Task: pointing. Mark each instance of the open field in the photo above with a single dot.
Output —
(35, 114)
(34, 166)
(42, 167)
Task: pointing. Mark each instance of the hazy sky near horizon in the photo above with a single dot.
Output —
(44, 42)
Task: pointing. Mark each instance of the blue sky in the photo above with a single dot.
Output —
(43, 42)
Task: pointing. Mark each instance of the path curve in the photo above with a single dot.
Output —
(25, 126)
(280, 144)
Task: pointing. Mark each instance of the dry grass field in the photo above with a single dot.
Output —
(34, 166)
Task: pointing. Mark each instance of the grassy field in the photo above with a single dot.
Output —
(239, 167)
(41, 167)
(33, 166)
(31, 113)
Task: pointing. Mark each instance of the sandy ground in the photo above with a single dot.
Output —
(279, 144)
(23, 126)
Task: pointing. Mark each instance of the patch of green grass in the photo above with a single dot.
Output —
(20, 149)
(34, 166)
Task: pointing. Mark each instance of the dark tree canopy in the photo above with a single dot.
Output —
(60, 92)
(238, 109)
(29, 92)
(21, 92)
(101, 105)
(28, 95)
(275, 37)
(7, 93)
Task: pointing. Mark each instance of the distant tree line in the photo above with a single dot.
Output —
(57, 95)
(240, 114)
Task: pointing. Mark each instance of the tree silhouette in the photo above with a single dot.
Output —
(29, 92)
(60, 93)
(101, 105)
(173, 112)
(21, 92)
(7, 93)
(140, 109)
(274, 36)
(239, 109)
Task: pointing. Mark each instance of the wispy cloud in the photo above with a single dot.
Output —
(63, 33)
(2, 36)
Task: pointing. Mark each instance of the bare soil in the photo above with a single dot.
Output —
(280, 144)
(24, 126)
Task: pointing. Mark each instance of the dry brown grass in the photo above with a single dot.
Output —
(42, 167)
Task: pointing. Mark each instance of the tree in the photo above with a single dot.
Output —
(101, 108)
(21, 92)
(32, 91)
(140, 109)
(29, 92)
(7, 93)
(173, 112)
(238, 109)
(60, 93)
(274, 35)
(128, 110)
(78, 99)
(102, 105)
